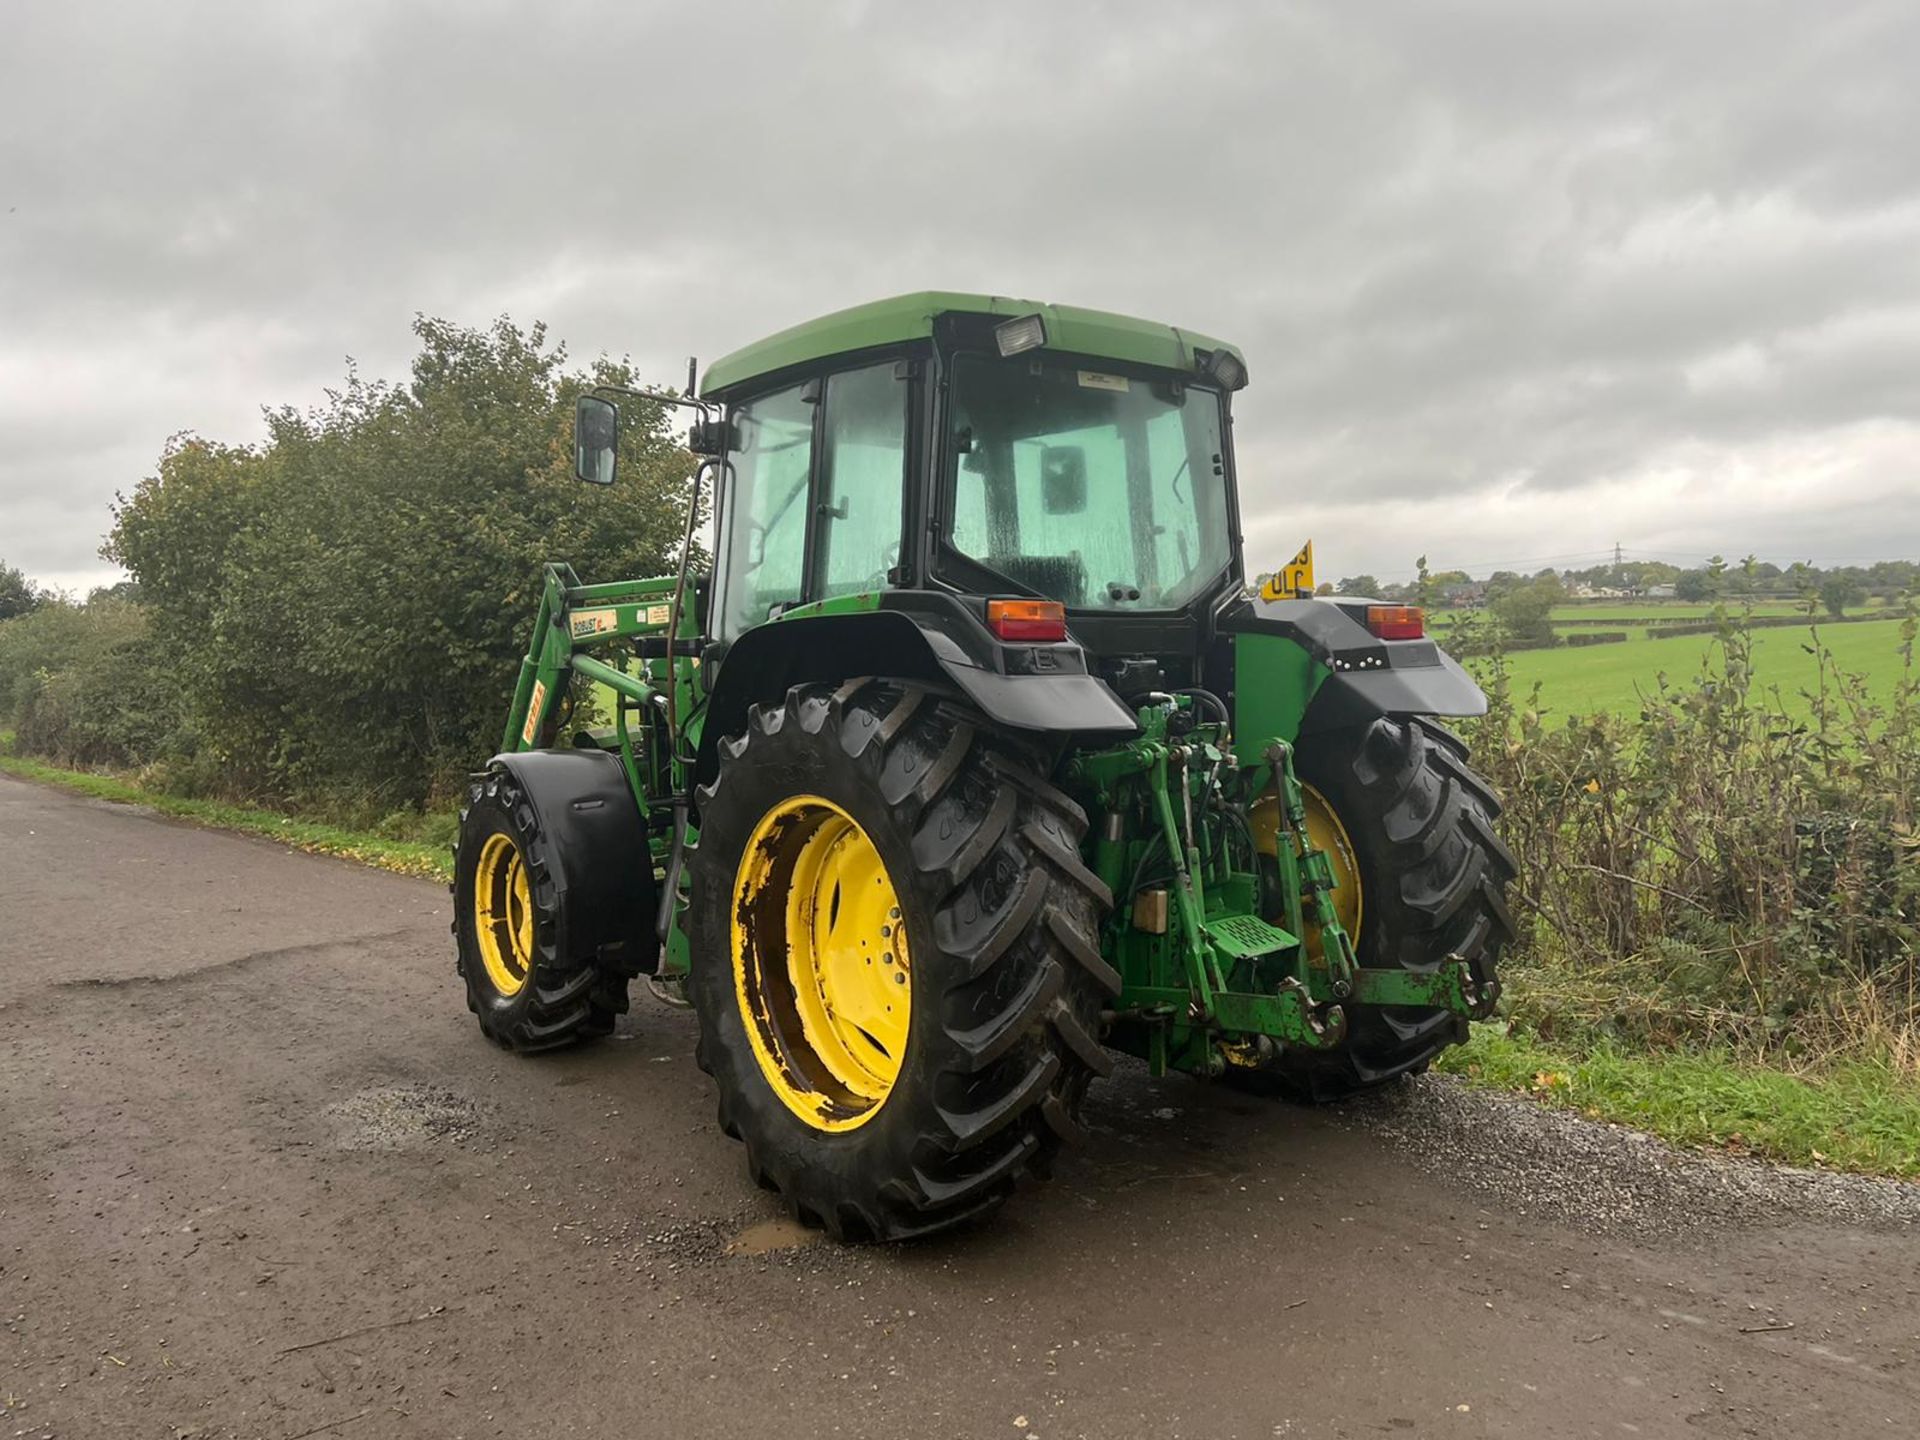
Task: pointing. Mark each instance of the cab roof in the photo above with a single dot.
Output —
(910, 317)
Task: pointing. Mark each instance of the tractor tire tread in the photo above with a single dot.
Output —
(568, 998)
(985, 853)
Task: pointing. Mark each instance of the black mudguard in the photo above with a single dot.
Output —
(1369, 677)
(1353, 698)
(606, 894)
(915, 635)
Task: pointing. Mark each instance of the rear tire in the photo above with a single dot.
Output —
(533, 995)
(1433, 878)
(1002, 921)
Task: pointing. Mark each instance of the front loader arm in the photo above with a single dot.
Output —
(542, 665)
(573, 622)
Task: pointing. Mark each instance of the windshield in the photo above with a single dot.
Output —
(1100, 490)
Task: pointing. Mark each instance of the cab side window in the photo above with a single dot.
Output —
(863, 475)
(763, 544)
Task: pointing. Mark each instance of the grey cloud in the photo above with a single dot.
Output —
(1474, 251)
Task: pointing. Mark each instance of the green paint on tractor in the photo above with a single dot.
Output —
(905, 319)
(971, 758)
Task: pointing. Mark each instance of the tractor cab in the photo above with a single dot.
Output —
(975, 447)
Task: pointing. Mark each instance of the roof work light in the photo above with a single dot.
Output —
(1029, 332)
(1222, 366)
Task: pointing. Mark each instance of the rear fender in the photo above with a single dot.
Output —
(1302, 666)
(912, 635)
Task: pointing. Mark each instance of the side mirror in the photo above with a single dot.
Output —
(1063, 480)
(596, 440)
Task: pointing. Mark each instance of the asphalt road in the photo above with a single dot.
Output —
(260, 1176)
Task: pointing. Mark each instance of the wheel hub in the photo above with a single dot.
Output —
(1327, 835)
(503, 914)
(822, 966)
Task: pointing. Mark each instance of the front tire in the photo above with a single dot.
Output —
(528, 992)
(977, 911)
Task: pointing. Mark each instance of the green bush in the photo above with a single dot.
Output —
(1718, 869)
(343, 607)
(83, 685)
(1525, 612)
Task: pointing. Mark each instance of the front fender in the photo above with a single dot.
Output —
(606, 891)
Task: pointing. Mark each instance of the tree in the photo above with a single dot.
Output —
(120, 590)
(81, 684)
(1693, 585)
(18, 594)
(1358, 585)
(1525, 612)
(347, 603)
(1839, 591)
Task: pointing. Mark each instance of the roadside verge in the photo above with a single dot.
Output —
(1859, 1116)
(403, 857)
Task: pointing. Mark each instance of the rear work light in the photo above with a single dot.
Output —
(1397, 622)
(1027, 619)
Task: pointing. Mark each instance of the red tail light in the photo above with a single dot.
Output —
(1027, 619)
(1397, 622)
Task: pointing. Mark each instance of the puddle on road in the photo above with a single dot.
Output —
(780, 1233)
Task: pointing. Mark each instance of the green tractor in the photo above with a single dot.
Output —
(973, 760)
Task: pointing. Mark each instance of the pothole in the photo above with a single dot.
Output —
(403, 1117)
(779, 1233)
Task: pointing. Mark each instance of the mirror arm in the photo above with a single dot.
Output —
(703, 435)
(680, 590)
(664, 397)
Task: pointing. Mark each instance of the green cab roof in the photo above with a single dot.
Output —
(911, 317)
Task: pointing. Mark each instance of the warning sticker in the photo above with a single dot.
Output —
(659, 614)
(534, 705)
(1095, 380)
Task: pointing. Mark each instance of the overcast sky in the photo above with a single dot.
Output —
(1515, 280)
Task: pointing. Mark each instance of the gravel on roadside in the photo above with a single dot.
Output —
(1609, 1178)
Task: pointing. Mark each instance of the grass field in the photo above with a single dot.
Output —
(1638, 616)
(1644, 610)
(1613, 677)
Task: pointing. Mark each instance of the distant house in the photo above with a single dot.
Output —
(1659, 592)
(1470, 596)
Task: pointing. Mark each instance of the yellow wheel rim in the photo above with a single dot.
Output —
(821, 964)
(1327, 834)
(503, 915)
